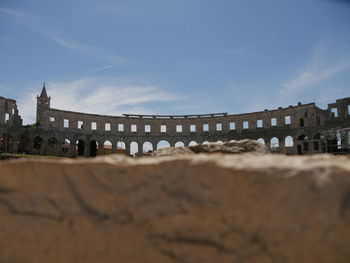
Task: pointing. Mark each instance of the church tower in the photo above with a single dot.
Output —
(42, 104)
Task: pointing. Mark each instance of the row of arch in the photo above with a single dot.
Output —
(81, 147)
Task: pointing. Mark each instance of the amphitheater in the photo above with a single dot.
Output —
(296, 129)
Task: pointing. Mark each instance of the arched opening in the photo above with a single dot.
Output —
(37, 144)
(192, 143)
(52, 146)
(6, 142)
(316, 142)
(121, 147)
(80, 147)
(303, 144)
(162, 144)
(107, 147)
(261, 140)
(134, 148)
(220, 142)
(179, 144)
(65, 146)
(232, 140)
(23, 144)
(288, 141)
(147, 147)
(205, 142)
(275, 144)
(93, 148)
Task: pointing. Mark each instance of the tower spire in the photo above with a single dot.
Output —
(43, 92)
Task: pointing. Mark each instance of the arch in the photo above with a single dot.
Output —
(162, 144)
(134, 148)
(93, 148)
(179, 144)
(261, 140)
(147, 147)
(205, 142)
(220, 142)
(65, 146)
(107, 147)
(232, 141)
(80, 147)
(51, 145)
(275, 143)
(23, 143)
(192, 143)
(37, 144)
(289, 141)
(121, 147)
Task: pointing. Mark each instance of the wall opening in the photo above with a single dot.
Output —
(147, 147)
(65, 123)
(274, 143)
(66, 146)
(120, 127)
(219, 127)
(261, 140)
(93, 148)
(287, 120)
(192, 128)
(80, 125)
(162, 128)
(80, 147)
(147, 128)
(93, 126)
(163, 144)
(178, 128)
(245, 125)
(273, 122)
(107, 147)
(179, 144)
(232, 125)
(134, 148)
(259, 123)
(192, 143)
(107, 126)
(288, 141)
(205, 127)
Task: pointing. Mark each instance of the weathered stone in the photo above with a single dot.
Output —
(242, 146)
(169, 151)
(190, 208)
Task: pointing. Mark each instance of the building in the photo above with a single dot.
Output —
(297, 129)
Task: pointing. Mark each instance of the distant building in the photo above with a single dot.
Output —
(300, 129)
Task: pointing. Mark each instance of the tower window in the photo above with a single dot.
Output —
(66, 123)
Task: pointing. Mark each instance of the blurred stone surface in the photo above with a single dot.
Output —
(243, 146)
(190, 208)
(170, 151)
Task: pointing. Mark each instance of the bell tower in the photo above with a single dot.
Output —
(42, 104)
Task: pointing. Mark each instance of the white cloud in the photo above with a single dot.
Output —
(98, 96)
(320, 69)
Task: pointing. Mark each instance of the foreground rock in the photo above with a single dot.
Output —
(243, 146)
(194, 208)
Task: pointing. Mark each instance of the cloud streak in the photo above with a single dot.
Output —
(319, 70)
(98, 96)
(39, 24)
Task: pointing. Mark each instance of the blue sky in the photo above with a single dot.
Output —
(174, 56)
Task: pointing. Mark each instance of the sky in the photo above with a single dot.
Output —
(174, 56)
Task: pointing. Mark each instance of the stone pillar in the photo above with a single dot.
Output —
(282, 147)
(72, 149)
(127, 148)
(114, 147)
(43, 148)
(15, 147)
(140, 148)
(154, 145)
(100, 150)
(87, 148)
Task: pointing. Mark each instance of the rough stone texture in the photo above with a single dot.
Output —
(242, 146)
(169, 151)
(187, 209)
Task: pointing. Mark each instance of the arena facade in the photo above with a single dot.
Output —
(297, 129)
